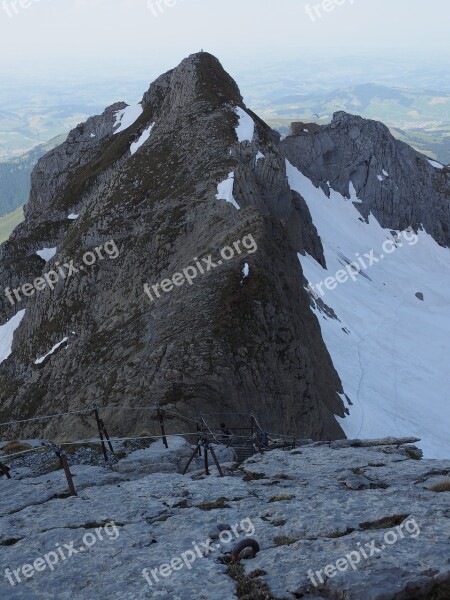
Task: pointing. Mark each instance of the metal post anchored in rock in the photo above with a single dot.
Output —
(206, 445)
(4, 470)
(160, 414)
(62, 456)
(102, 432)
(198, 438)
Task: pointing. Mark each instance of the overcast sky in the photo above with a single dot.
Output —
(136, 34)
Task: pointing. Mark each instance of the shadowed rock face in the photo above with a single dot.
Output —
(226, 343)
(397, 184)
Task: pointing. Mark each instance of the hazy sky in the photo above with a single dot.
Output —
(118, 35)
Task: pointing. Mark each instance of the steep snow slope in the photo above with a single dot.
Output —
(390, 348)
(7, 334)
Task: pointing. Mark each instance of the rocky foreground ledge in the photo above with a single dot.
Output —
(350, 521)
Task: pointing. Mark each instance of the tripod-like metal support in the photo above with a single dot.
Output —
(204, 442)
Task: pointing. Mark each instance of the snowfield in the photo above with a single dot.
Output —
(246, 128)
(389, 347)
(126, 117)
(225, 191)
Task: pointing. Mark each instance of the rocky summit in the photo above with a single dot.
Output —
(346, 520)
(147, 179)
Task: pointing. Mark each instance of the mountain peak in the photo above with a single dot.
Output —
(199, 79)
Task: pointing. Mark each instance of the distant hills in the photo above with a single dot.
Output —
(15, 176)
(9, 222)
(419, 117)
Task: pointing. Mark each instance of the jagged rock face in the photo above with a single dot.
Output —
(357, 150)
(386, 324)
(226, 343)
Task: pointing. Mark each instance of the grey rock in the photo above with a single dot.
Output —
(357, 150)
(305, 522)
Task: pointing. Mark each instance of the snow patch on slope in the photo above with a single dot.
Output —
(141, 141)
(353, 194)
(245, 272)
(435, 164)
(246, 128)
(126, 117)
(225, 190)
(46, 253)
(389, 348)
(7, 334)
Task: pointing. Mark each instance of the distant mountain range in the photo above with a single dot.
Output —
(419, 117)
(402, 107)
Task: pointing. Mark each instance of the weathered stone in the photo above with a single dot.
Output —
(304, 522)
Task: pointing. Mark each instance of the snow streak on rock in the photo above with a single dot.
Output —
(40, 360)
(7, 335)
(141, 141)
(435, 164)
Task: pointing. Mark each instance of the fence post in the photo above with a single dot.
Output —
(189, 462)
(65, 465)
(198, 439)
(163, 429)
(4, 470)
(213, 454)
(102, 423)
(205, 449)
(258, 443)
(100, 432)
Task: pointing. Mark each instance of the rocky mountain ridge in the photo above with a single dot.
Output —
(150, 179)
(211, 343)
